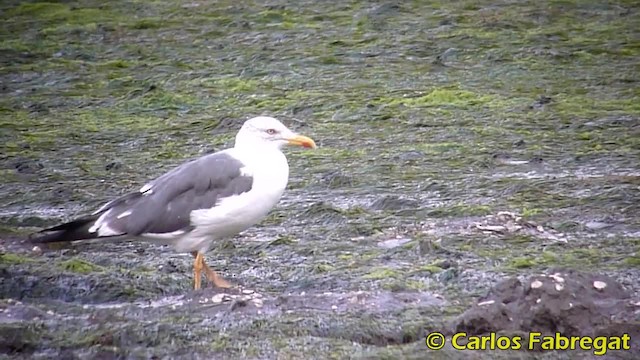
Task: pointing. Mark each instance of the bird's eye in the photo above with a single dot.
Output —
(271, 131)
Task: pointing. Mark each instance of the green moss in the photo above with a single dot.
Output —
(431, 268)
(238, 85)
(591, 105)
(441, 97)
(521, 263)
(38, 9)
(283, 240)
(585, 256)
(13, 259)
(79, 266)
(528, 213)
(416, 285)
(149, 23)
(381, 273)
(323, 268)
(440, 147)
(519, 239)
(632, 261)
(551, 258)
(116, 64)
(272, 16)
(329, 60)
(60, 13)
(369, 255)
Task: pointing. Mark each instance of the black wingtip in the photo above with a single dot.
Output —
(41, 237)
(74, 230)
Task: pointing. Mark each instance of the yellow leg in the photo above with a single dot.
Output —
(197, 269)
(211, 275)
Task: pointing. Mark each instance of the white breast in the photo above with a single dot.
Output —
(234, 214)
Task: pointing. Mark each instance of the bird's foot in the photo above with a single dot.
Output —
(216, 279)
(198, 265)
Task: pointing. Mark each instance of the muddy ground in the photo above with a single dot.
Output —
(465, 148)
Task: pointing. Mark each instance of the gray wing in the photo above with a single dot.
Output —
(165, 204)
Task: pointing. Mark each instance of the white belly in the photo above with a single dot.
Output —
(237, 213)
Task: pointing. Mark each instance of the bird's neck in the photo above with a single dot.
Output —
(268, 158)
(257, 147)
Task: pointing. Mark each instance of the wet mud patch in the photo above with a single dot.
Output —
(219, 315)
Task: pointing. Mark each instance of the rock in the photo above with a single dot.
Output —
(393, 203)
(597, 225)
(28, 166)
(392, 243)
(540, 102)
(337, 179)
(114, 165)
(410, 156)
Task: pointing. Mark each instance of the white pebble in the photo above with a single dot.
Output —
(488, 302)
(37, 250)
(218, 298)
(599, 285)
(557, 277)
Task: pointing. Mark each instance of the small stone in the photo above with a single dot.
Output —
(37, 250)
(392, 243)
(536, 284)
(247, 291)
(559, 287)
(218, 298)
(597, 225)
(258, 302)
(334, 307)
(488, 302)
(556, 277)
(538, 301)
(599, 285)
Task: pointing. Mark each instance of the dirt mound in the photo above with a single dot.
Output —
(568, 302)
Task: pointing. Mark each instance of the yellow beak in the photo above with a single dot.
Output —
(303, 141)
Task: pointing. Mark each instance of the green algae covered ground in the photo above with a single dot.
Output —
(460, 142)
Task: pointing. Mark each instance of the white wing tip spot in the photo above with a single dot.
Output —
(124, 214)
(246, 171)
(146, 189)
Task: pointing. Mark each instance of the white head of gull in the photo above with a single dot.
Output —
(201, 201)
(266, 132)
